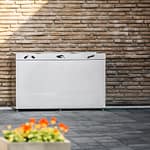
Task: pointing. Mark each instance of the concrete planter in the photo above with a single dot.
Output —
(6, 145)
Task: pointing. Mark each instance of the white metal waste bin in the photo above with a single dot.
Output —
(60, 80)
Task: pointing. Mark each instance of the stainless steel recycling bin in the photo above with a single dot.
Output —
(60, 80)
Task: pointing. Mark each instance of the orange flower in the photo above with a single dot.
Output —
(43, 122)
(66, 128)
(53, 120)
(32, 121)
(56, 131)
(37, 126)
(26, 127)
(63, 127)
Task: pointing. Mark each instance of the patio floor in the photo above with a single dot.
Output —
(113, 129)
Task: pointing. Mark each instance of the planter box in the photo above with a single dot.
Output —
(6, 145)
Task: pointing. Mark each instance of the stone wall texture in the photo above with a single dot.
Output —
(119, 28)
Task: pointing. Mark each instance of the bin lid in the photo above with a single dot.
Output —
(60, 56)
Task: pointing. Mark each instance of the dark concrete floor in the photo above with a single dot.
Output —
(114, 129)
